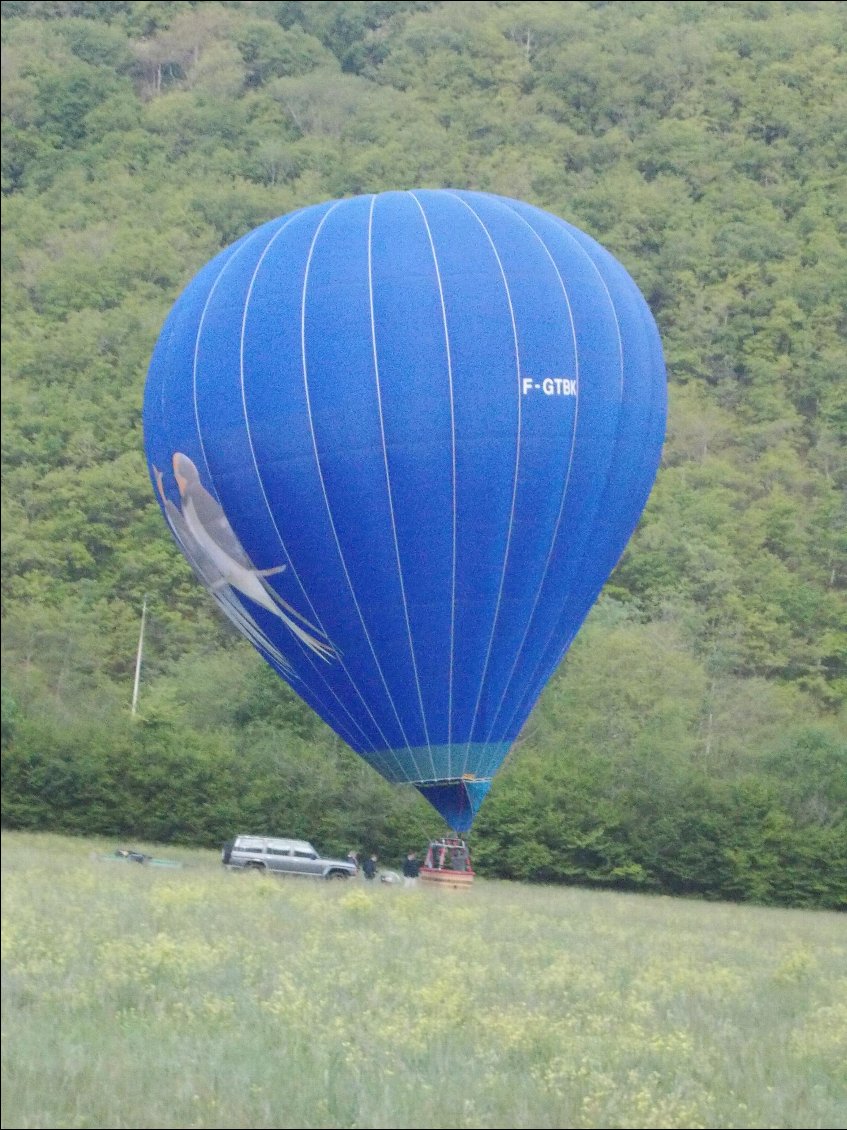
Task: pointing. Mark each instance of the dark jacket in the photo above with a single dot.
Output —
(411, 867)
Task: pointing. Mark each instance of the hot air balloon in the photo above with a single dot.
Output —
(403, 439)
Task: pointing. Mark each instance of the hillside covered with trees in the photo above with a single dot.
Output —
(693, 740)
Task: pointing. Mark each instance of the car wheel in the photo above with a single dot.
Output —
(338, 875)
(254, 867)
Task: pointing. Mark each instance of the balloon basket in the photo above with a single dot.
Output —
(447, 880)
(448, 865)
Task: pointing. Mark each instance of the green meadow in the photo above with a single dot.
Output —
(138, 996)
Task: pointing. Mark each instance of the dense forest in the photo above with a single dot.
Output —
(693, 740)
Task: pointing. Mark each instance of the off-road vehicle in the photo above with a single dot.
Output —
(283, 857)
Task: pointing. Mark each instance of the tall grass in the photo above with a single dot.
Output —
(141, 997)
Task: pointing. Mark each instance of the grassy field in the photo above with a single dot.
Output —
(136, 996)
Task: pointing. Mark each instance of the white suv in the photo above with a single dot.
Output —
(283, 857)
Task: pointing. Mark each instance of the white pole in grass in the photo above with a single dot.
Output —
(138, 658)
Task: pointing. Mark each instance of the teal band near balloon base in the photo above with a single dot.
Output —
(429, 765)
(439, 773)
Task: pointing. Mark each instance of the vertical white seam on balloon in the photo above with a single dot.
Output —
(535, 683)
(538, 681)
(197, 337)
(326, 497)
(655, 403)
(237, 617)
(233, 252)
(386, 468)
(315, 664)
(514, 481)
(565, 484)
(453, 487)
(231, 606)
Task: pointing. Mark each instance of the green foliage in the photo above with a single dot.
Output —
(639, 771)
(693, 740)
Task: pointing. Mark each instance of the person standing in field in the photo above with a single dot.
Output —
(369, 867)
(411, 869)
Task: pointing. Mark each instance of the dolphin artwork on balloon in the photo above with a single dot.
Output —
(218, 558)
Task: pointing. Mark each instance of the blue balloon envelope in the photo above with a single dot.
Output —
(403, 439)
